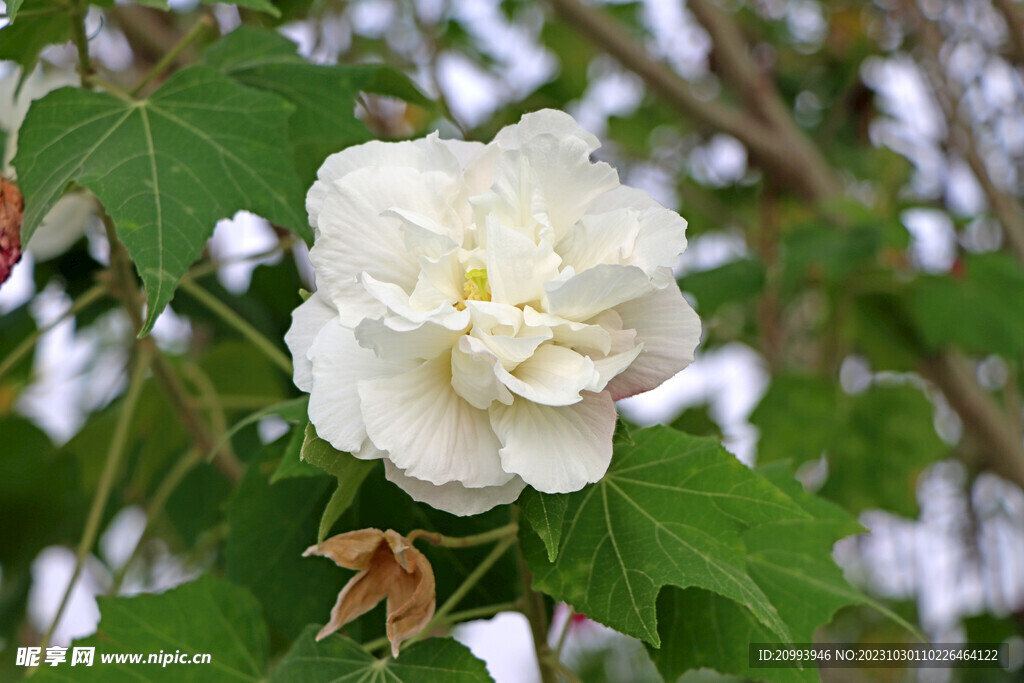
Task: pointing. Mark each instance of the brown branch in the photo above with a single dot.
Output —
(999, 443)
(126, 288)
(791, 160)
(1014, 26)
(949, 93)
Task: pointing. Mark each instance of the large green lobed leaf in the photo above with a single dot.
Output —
(166, 168)
(672, 510)
(207, 616)
(324, 96)
(338, 659)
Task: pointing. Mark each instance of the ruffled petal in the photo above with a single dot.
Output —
(428, 429)
(669, 331)
(474, 377)
(517, 268)
(544, 122)
(307, 321)
(428, 154)
(556, 449)
(339, 363)
(604, 238)
(356, 237)
(553, 376)
(453, 497)
(394, 338)
(595, 290)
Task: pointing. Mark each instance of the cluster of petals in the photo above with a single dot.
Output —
(479, 308)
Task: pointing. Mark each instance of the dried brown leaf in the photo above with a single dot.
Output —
(12, 207)
(389, 567)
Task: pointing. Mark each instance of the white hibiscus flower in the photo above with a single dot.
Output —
(481, 307)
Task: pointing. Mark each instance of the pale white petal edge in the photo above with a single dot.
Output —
(428, 430)
(339, 365)
(453, 497)
(669, 330)
(307, 321)
(556, 449)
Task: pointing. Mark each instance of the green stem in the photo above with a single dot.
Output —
(565, 634)
(464, 541)
(167, 486)
(109, 87)
(470, 581)
(221, 310)
(106, 483)
(536, 614)
(81, 41)
(91, 295)
(197, 30)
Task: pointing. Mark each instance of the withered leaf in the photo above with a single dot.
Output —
(12, 207)
(389, 567)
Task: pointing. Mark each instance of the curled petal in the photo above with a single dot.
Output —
(556, 449)
(669, 330)
(453, 497)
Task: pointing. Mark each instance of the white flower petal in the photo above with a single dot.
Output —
(544, 122)
(567, 179)
(511, 351)
(424, 235)
(396, 300)
(439, 282)
(453, 497)
(604, 238)
(669, 330)
(556, 449)
(428, 154)
(661, 239)
(578, 336)
(552, 376)
(339, 364)
(595, 290)
(355, 238)
(307, 321)
(429, 430)
(473, 374)
(421, 341)
(517, 268)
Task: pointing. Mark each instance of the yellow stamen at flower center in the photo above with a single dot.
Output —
(475, 287)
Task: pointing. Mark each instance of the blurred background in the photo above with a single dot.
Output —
(852, 174)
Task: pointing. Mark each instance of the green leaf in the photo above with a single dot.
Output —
(670, 511)
(207, 616)
(12, 9)
(166, 168)
(324, 121)
(349, 470)
(336, 658)
(545, 513)
(886, 428)
(21, 41)
(38, 488)
(981, 312)
(292, 464)
(791, 561)
(733, 282)
(271, 524)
